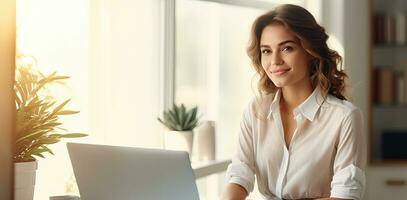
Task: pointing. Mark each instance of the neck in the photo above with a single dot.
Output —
(293, 96)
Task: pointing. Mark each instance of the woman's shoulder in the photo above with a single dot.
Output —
(260, 105)
(341, 105)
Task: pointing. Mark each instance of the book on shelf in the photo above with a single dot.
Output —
(384, 86)
(390, 28)
(389, 86)
(378, 28)
(405, 84)
(401, 28)
(400, 85)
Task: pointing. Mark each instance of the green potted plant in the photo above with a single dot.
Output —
(37, 124)
(180, 123)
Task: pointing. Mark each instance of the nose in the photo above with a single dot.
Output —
(276, 59)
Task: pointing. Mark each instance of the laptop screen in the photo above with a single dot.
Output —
(127, 173)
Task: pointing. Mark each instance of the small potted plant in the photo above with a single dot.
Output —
(37, 125)
(180, 123)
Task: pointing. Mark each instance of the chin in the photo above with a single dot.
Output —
(279, 84)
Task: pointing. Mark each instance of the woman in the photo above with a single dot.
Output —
(300, 137)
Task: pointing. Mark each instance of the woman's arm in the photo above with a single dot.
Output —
(348, 181)
(233, 191)
(240, 173)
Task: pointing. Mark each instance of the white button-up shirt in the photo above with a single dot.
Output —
(326, 156)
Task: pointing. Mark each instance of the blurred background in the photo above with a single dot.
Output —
(130, 60)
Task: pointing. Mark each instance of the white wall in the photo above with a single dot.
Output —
(348, 22)
(356, 43)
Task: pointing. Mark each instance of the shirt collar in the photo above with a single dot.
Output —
(308, 108)
(275, 104)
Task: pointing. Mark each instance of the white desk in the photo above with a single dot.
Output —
(203, 169)
(208, 183)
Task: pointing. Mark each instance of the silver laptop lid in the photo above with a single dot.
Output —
(128, 173)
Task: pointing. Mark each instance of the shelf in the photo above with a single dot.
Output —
(390, 106)
(386, 23)
(388, 162)
(390, 46)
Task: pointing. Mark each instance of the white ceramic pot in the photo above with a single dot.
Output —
(24, 180)
(204, 144)
(179, 140)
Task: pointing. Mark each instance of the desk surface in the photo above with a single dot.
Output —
(206, 168)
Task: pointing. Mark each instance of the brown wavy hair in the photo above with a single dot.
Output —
(324, 73)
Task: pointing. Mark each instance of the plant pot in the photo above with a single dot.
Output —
(204, 144)
(179, 140)
(24, 180)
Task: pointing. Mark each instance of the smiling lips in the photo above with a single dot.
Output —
(279, 72)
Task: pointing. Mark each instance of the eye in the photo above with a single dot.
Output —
(287, 48)
(265, 51)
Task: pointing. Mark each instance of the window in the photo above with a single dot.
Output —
(212, 69)
(110, 49)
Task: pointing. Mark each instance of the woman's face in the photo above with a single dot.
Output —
(283, 58)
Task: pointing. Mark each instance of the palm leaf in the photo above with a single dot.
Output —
(60, 107)
(21, 92)
(38, 154)
(37, 121)
(48, 140)
(73, 135)
(47, 149)
(67, 112)
(17, 99)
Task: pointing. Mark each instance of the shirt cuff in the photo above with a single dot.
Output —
(240, 173)
(348, 183)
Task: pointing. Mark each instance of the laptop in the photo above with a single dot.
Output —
(127, 173)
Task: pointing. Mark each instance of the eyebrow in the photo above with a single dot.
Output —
(279, 44)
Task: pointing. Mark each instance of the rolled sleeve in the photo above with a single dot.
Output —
(241, 170)
(240, 173)
(348, 183)
(349, 177)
